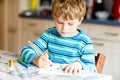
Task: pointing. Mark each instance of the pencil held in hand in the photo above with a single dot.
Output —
(34, 46)
(42, 55)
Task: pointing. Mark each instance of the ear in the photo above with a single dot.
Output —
(80, 21)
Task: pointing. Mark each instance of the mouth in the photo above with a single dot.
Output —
(64, 32)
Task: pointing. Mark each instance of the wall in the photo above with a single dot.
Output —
(108, 6)
(1, 24)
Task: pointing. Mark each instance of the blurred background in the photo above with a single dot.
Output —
(23, 20)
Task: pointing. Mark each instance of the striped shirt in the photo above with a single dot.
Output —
(64, 50)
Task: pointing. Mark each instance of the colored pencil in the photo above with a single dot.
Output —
(34, 46)
(23, 63)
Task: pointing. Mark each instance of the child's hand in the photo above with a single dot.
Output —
(42, 61)
(73, 68)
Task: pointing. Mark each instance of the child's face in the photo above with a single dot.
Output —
(67, 28)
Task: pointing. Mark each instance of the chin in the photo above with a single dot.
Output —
(65, 35)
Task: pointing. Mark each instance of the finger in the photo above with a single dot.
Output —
(71, 70)
(44, 64)
(46, 54)
(66, 69)
(49, 62)
(76, 71)
(37, 61)
(46, 61)
(45, 67)
(41, 62)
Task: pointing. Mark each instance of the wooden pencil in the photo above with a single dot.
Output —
(34, 46)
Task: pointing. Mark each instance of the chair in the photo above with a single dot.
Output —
(100, 60)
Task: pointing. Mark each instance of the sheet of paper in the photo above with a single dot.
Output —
(56, 69)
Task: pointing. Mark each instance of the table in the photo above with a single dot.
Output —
(19, 72)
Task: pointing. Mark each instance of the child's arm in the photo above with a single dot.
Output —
(88, 58)
(86, 62)
(41, 61)
(29, 53)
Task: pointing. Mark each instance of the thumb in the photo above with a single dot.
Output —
(49, 62)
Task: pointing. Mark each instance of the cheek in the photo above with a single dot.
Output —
(76, 26)
(58, 26)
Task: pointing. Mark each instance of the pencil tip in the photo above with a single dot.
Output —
(50, 65)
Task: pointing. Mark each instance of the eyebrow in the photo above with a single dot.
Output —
(69, 21)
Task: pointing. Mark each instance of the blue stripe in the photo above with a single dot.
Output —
(63, 53)
(44, 38)
(39, 46)
(67, 45)
(31, 58)
(63, 50)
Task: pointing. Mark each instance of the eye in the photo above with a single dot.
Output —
(71, 24)
(59, 22)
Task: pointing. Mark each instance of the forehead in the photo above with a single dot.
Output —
(61, 18)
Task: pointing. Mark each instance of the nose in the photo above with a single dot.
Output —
(65, 27)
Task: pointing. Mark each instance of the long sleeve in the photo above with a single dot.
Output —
(64, 50)
(88, 58)
(28, 53)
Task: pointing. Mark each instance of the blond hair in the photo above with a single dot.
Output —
(69, 9)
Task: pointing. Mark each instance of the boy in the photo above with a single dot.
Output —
(66, 44)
